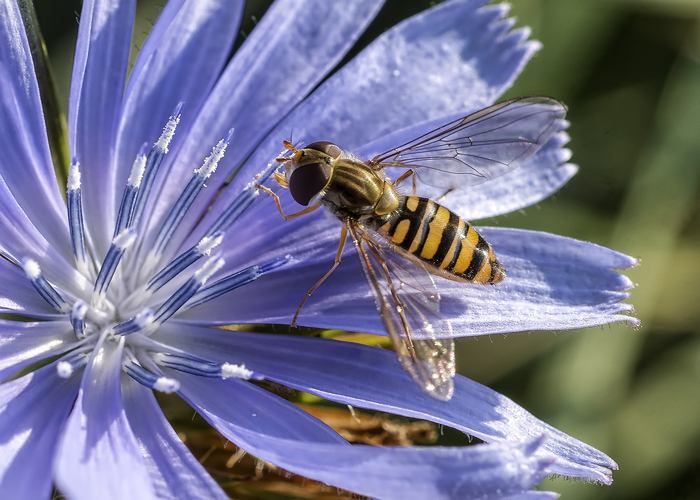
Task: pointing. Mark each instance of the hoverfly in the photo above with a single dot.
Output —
(390, 230)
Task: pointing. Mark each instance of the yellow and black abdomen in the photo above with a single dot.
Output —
(425, 230)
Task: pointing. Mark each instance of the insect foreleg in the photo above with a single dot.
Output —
(343, 237)
(280, 179)
(307, 210)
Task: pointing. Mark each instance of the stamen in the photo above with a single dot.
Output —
(138, 322)
(235, 280)
(149, 379)
(74, 198)
(234, 210)
(204, 247)
(184, 202)
(213, 236)
(99, 315)
(242, 202)
(77, 318)
(72, 362)
(186, 291)
(202, 368)
(64, 369)
(229, 370)
(265, 174)
(155, 158)
(119, 245)
(131, 191)
(49, 294)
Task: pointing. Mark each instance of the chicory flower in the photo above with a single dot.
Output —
(115, 291)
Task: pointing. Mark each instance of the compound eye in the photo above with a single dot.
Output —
(325, 147)
(308, 180)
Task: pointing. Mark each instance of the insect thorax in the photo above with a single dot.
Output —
(354, 189)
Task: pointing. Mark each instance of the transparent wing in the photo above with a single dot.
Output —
(408, 303)
(481, 146)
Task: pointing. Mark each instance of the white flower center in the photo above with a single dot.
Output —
(135, 290)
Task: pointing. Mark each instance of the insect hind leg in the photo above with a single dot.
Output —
(408, 173)
(444, 195)
(338, 255)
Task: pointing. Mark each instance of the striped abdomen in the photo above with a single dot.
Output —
(436, 236)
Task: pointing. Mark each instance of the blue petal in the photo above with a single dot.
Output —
(97, 85)
(20, 239)
(277, 431)
(553, 283)
(33, 411)
(239, 403)
(452, 58)
(18, 296)
(25, 163)
(180, 61)
(22, 344)
(534, 495)
(173, 469)
(281, 61)
(474, 472)
(540, 177)
(373, 378)
(99, 457)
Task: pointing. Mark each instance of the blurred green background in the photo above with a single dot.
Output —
(629, 71)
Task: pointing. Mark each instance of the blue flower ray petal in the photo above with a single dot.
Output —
(18, 296)
(373, 378)
(33, 411)
(390, 84)
(294, 443)
(553, 283)
(22, 344)
(475, 472)
(98, 449)
(544, 175)
(175, 472)
(540, 177)
(281, 61)
(241, 404)
(25, 164)
(181, 60)
(534, 495)
(97, 86)
(22, 239)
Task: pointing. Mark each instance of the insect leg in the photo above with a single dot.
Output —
(280, 179)
(307, 210)
(400, 309)
(444, 195)
(290, 147)
(409, 173)
(397, 332)
(343, 237)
